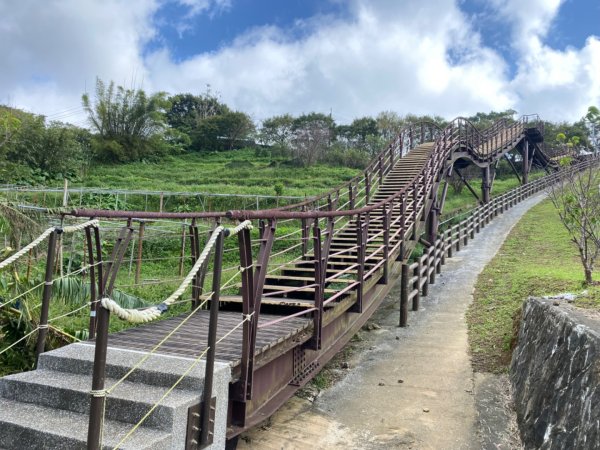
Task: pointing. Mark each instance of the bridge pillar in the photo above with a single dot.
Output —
(525, 163)
(485, 184)
(432, 224)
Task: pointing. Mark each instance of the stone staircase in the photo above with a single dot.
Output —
(49, 407)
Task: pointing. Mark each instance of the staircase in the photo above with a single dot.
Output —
(49, 407)
(293, 285)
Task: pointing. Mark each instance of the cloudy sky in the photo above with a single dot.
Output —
(348, 57)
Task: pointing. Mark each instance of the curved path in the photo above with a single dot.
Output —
(436, 405)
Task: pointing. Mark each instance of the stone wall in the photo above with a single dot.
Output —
(555, 376)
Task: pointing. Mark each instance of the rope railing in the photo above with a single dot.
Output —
(154, 312)
(42, 237)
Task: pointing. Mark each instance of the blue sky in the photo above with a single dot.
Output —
(350, 57)
(187, 36)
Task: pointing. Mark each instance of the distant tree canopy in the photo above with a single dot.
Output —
(208, 122)
(32, 150)
(592, 119)
(315, 137)
(484, 120)
(128, 125)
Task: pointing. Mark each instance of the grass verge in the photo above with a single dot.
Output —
(536, 259)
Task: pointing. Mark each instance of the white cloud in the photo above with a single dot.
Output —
(201, 6)
(560, 84)
(52, 52)
(409, 56)
(384, 57)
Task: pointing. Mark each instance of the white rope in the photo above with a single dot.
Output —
(81, 226)
(42, 237)
(8, 261)
(152, 313)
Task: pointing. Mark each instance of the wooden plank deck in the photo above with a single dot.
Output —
(191, 339)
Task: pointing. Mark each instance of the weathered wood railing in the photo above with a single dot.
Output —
(419, 274)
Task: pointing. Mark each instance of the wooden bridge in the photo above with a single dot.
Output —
(290, 316)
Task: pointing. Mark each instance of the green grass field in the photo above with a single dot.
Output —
(536, 259)
(229, 172)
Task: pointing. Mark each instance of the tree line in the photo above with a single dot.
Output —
(128, 125)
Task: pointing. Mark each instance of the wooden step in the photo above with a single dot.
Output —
(305, 280)
(277, 301)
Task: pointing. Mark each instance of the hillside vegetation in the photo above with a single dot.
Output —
(536, 259)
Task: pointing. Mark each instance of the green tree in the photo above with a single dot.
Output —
(388, 124)
(277, 131)
(9, 125)
(484, 120)
(235, 127)
(128, 122)
(577, 201)
(312, 136)
(187, 109)
(593, 122)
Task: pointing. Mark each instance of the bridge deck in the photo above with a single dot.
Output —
(191, 339)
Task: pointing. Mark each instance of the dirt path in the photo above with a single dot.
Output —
(409, 387)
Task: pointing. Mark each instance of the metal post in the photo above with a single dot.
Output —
(386, 244)
(98, 378)
(212, 339)
(360, 260)
(525, 162)
(93, 292)
(138, 262)
(247, 291)
(182, 249)
(319, 283)
(47, 293)
(485, 184)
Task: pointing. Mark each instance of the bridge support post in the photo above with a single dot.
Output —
(432, 223)
(485, 184)
(525, 163)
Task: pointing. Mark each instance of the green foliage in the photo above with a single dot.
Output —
(593, 124)
(214, 172)
(129, 124)
(73, 292)
(9, 125)
(277, 131)
(278, 188)
(38, 152)
(526, 265)
(187, 110)
(577, 201)
(485, 120)
(21, 356)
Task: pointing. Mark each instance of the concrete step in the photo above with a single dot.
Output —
(33, 427)
(49, 407)
(158, 370)
(129, 402)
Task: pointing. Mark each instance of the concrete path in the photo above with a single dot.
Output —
(411, 387)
